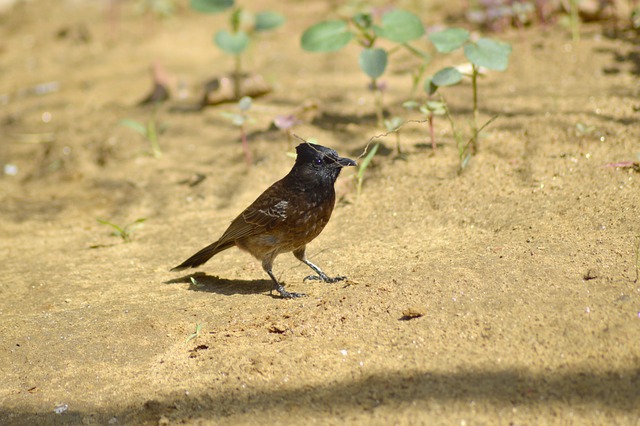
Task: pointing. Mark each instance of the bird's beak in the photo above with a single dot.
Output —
(345, 162)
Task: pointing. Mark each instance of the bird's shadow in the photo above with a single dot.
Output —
(200, 281)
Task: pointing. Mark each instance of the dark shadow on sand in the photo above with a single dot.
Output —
(226, 287)
(616, 391)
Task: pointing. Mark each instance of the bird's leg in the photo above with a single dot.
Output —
(300, 255)
(280, 289)
(266, 265)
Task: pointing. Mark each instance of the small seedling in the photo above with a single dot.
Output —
(194, 334)
(583, 129)
(161, 8)
(393, 125)
(396, 26)
(149, 131)
(195, 283)
(429, 109)
(363, 168)
(635, 17)
(464, 147)
(483, 53)
(240, 119)
(123, 232)
(244, 25)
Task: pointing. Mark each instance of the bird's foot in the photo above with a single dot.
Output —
(285, 294)
(325, 278)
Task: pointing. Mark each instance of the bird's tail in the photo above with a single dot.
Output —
(203, 255)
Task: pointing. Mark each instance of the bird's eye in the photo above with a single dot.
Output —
(317, 161)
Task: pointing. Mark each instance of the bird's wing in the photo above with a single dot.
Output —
(263, 215)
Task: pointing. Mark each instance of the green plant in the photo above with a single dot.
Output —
(148, 130)
(485, 52)
(125, 231)
(393, 125)
(362, 168)
(194, 334)
(161, 8)
(429, 109)
(195, 283)
(396, 26)
(240, 119)
(244, 25)
(635, 17)
(464, 151)
(574, 19)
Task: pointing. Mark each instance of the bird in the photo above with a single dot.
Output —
(286, 216)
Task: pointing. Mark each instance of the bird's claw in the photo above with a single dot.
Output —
(291, 295)
(324, 278)
(285, 294)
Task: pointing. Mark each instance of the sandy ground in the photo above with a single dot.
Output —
(521, 271)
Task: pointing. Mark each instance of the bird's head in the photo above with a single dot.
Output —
(318, 163)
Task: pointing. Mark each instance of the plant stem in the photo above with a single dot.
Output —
(575, 20)
(432, 133)
(237, 76)
(378, 101)
(152, 134)
(474, 82)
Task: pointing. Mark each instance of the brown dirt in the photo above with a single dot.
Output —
(519, 275)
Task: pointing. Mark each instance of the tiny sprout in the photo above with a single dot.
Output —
(194, 334)
(149, 131)
(239, 120)
(363, 167)
(393, 125)
(583, 129)
(123, 232)
(195, 283)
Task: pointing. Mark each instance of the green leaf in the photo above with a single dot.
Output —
(433, 107)
(198, 328)
(373, 62)
(266, 21)
(327, 36)
(233, 44)
(449, 40)
(446, 77)
(367, 160)
(135, 223)
(135, 125)
(393, 124)
(363, 20)
(118, 230)
(488, 53)
(429, 87)
(211, 6)
(401, 26)
(236, 119)
(424, 56)
(244, 104)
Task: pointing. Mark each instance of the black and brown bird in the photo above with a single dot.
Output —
(286, 217)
